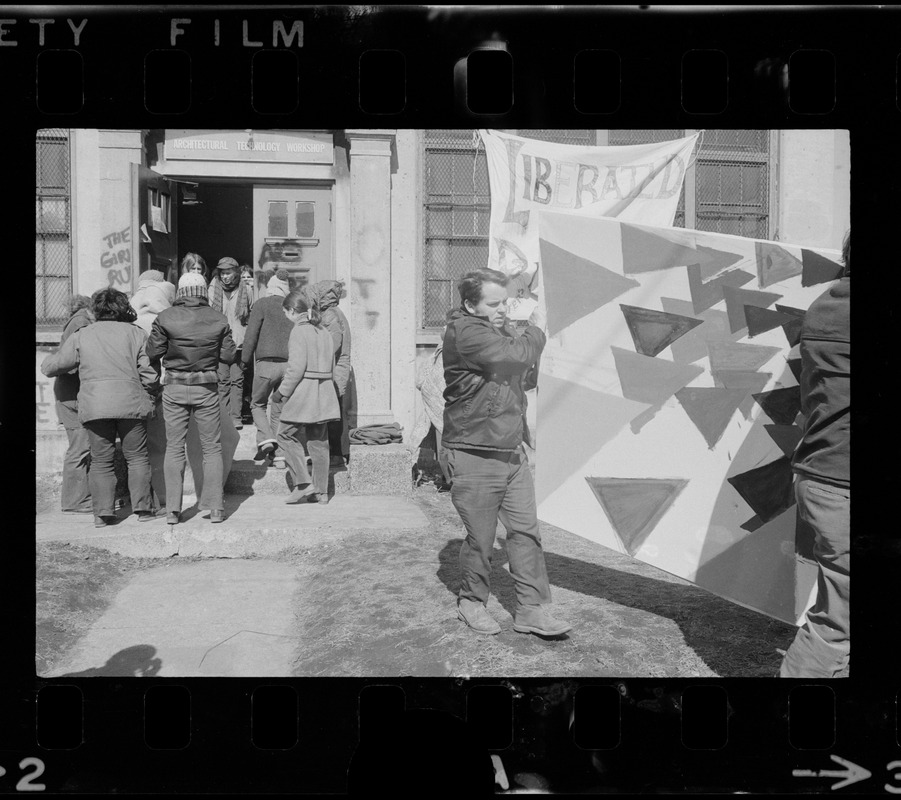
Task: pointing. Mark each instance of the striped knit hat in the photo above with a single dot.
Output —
(191, 284)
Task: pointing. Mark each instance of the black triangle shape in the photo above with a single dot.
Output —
(768, 490)
(781, 405)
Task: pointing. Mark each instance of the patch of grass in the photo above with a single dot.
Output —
(74, 585)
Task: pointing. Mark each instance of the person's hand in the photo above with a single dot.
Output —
(243, 365)
(277, 396)
(538, 318)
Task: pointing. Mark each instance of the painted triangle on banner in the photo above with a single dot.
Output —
(769, 489)
(693, 345)
(717, 260)
(648, 250)
(601, 417)
(737, 355)
(705, 294)
(775, 263)
(786, 436)
(575, 287)
(651, 380)
(818, 269)
(710, 409)
(634, 506)
(761, 320)
(742, 379)
(653, 331)
(794, 364)
(792, 329)
(781, 405)
(736, 300)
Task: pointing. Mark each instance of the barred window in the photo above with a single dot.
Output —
(730, 181)
(53, 251)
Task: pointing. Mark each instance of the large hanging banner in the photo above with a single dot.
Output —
(639, 183)
(668, 401)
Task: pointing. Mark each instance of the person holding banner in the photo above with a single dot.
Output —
(822, 466)
(484, 429)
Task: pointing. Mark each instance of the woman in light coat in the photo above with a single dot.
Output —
(115, 398)
(310, 400)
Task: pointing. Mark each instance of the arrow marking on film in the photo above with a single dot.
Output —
(851, 774)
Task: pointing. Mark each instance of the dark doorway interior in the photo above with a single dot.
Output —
(219, 224)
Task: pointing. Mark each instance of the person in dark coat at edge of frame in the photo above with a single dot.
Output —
(266, 342)
(484, 430)
(335, 322)
(822, 466)
(191, 339)
(75, 494)
(115, 398)
(308, 397)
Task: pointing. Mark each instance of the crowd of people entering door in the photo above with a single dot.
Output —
(141, 369)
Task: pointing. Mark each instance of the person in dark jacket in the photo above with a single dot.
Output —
(229, 295)
(484, 430)
(192, 340)
(266, 340)
(335, 322)
(115, 397)
(822, 466)
(75, 495)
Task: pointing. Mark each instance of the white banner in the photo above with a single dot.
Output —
(635, 183)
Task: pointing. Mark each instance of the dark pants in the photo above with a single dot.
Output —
(267, 377)
(231, 387)
(102, 477)
(290, 439)
(487, 486)
(822, 645)
(338, 440)
(76, 491)
(180, 403)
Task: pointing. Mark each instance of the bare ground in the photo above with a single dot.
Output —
(383, 603)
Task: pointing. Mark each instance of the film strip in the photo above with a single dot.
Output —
(144, 79)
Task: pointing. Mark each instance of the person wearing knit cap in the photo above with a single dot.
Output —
(229, 295)
(192, 340)
(335, 322)
(266, 346)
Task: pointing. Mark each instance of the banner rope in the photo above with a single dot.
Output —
(477, 141)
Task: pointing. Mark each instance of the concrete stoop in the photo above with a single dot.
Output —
(372, 470)
(254, 525)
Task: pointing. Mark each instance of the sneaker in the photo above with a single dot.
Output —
(307, 495)
(146, 516)
(477, 617)
(172, 518)
(337, 462)
(239, 425)
(323, 499)
(536, 619)
(104, 520)
(87, 510)
(278, 462)
(217, 515)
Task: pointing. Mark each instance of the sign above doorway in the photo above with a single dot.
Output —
(294, 147)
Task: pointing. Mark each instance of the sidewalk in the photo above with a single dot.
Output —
(255, 525)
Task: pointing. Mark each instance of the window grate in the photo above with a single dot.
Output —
(53, 240)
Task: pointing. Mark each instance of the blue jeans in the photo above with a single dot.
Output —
(180, 402)
(822, 645)
(75, 494)
(290, 440)
(489, 485)
(102, 477)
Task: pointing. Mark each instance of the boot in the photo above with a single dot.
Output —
(537, 619)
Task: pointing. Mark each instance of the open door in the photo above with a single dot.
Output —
(154, 223)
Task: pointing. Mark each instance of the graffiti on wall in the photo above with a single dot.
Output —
(44, 400)
(116, 259)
